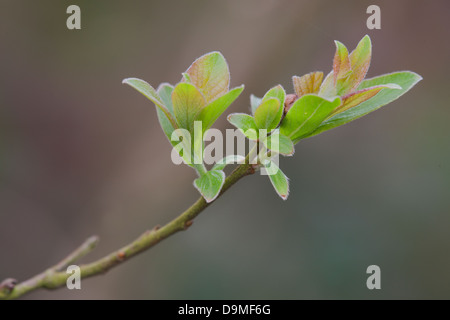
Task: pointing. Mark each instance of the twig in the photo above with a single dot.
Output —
(83, 250)
(56, 277)
(9, 289)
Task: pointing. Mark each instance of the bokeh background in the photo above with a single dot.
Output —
(82, 154)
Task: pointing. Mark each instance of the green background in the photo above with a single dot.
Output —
(82, 154)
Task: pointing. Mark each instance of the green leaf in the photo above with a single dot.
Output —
(187, 102)
(278, 93)
(165, 93)
(245, 123)
(278, 179)
(254, 102)
(210, 75)
(308, 83)
(348, 79)
(355, 98)
(306, 114)
(279, 143)
(328, 89)
(267, 115)
(148, 91)
(360, 61)
(214, 110)
(341, 62)
(406, 80)
(210, 184)
(228, 160)
(275, 92)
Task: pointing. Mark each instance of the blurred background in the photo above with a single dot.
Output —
(82, 154)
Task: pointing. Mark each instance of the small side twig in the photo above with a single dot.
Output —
(56, 276)
(76, 255)
(9, 289)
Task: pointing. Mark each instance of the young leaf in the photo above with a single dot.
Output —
(328, 89)
(254, 102)
(278, 179)
(148, 91)
(267, 115)
(308, 83)
(278, 93)
(353, 99)
(349, 79)
(245, 123)
(406, 80)
(341, 62)
(165, 93)
(228, 160)
(210, 184)
(195, 141)
(209, 114)
(187, 102)
(210, 75)
(360, 61)
(279, 143)
(306, 114)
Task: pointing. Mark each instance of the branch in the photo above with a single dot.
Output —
(10, 290)
(56, 277)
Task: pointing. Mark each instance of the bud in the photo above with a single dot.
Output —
(290, 99)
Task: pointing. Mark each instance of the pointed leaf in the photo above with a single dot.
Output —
(148, 91)
(360, 61)
(245, 123)
(267, 114)
(406, 80)
(228, 160)
(187, 102)
(279, 143)
(308, 83)
(328, 89)
(345, 83)
(341, 62)
(210, 184)
(254, 102)
(278, 179)
(210, 75)
(306, 114)
(353, 99)
(209, 114)
(165, 93)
